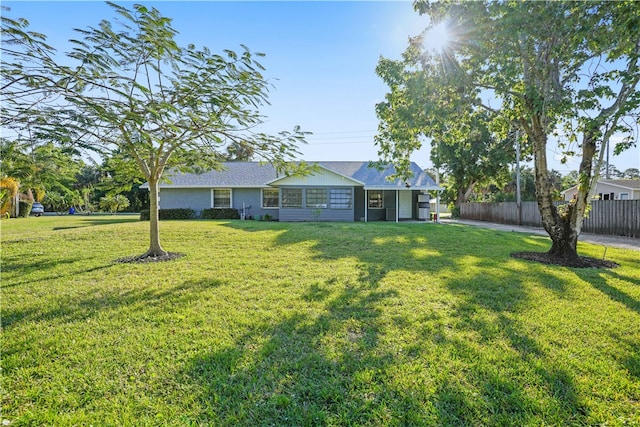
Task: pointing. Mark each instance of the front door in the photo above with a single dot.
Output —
(406, 205)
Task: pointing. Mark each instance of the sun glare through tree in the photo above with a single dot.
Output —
(437, 38)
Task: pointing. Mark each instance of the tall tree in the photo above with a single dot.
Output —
(463, 147)
(134, 90)
(38, 167)
(631, 173)
(546, 68)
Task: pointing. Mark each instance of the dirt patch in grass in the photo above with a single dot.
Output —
(583, 261)
(147, 258)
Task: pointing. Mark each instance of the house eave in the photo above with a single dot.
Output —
(145, 186)
(402, 188)
(348, 178)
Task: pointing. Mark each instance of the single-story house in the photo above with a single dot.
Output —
(335, 191)
(610, 189)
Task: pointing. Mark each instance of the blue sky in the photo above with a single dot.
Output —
(320, 55)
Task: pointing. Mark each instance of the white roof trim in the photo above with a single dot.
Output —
(348, 178)
(412, 188)
(205, 186)
(601, 182)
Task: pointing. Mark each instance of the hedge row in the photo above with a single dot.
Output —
(220, 214)
(169, 214)
(191, 214)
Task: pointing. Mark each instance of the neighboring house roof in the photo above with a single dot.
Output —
(630, 184)
(626, 184)
(258, 175)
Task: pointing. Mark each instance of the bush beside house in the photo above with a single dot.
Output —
(216, 213)
(169, 214)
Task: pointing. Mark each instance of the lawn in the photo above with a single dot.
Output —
(311, 324)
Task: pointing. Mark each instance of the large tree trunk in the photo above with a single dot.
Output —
(564, 228)
(155, 249)
(463, 194)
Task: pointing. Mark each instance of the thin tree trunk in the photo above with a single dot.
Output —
(155, 249)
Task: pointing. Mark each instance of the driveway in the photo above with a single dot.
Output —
(612, 241)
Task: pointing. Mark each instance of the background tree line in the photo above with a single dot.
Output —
(61, 179)
(502, 188)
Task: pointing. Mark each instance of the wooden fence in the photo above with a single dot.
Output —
(608, 217)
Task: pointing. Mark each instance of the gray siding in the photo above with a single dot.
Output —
(200, 198)
(251, 197)
(309, 214)
(358, 203)
(377, 214)
(389, 206)
(389, 198)
(187, 198)
(414, 204)
(388, 202)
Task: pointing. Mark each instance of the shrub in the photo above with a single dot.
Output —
(455, 211)
(169, 214)
(226, 213)
(8, 189)
(113, 204)
(24, 208)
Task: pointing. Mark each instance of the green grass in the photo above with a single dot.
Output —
(311, 324)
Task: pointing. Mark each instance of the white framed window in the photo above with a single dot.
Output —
(316, 198)
(375, 199)
(340, 198)
(270, 198)
(624, 196)
(221, 198)
(292, 197)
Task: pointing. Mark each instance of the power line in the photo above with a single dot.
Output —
(340, 143)
(346, 131)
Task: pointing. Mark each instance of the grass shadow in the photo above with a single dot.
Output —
(300, 371)
(320, 324)
(482, 309)
(94, 222)
(99, 300)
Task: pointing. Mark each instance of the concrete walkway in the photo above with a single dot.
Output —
(612, 241)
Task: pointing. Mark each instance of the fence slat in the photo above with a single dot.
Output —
(607, 217)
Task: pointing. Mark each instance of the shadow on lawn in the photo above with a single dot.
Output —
(45, 266)
(303, 371)
(334, 369)
(612, 282)
(88, 221)
(102, 300)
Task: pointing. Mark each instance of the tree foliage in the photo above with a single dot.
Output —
(113, 204)
(463, 145)
(130, 88)
(566, 70)
(38, 167)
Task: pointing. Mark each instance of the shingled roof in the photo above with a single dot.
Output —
(629, 184)
(233, 174)
(257, 175)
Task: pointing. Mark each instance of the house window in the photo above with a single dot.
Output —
(221, 198)
(270, 197)
(292, 197)
(340, 198)
(316, 198)
(375, 199)
(624, 196)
